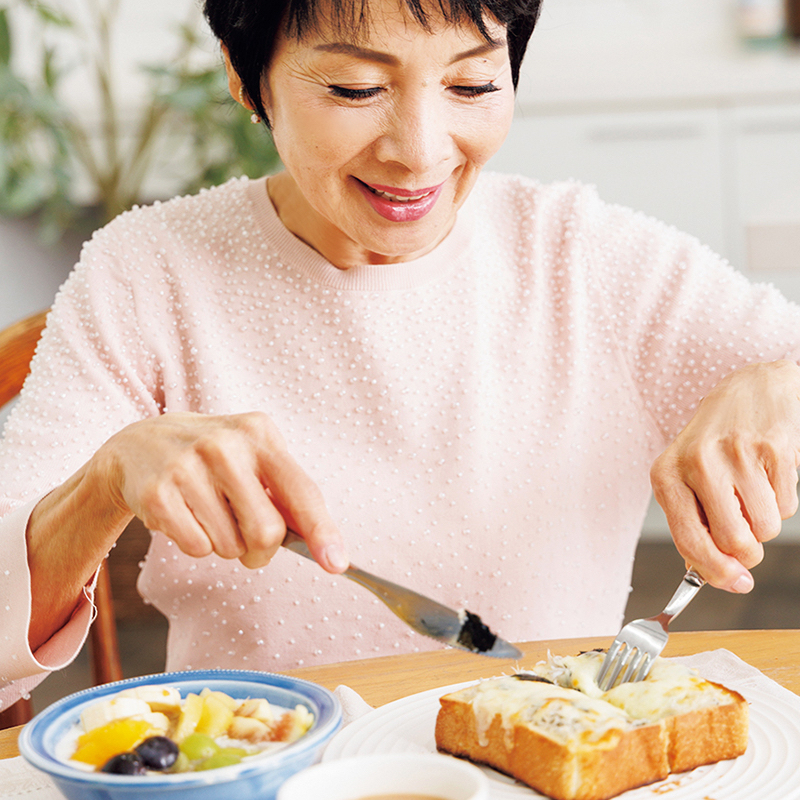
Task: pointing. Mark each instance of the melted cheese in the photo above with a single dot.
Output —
(563, 714)
(669, 689)
(573, 710)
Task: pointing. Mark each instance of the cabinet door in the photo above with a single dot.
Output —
(765, 145)
(665, 163)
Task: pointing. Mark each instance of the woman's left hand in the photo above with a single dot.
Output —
(729, 478)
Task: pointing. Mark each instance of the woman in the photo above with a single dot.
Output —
(475, 373)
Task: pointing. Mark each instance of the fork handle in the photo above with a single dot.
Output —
(690, 585)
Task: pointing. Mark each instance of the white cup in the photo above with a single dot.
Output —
(360, 777)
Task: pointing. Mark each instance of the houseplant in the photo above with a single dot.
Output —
(71, 171)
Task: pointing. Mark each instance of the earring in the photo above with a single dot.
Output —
(254, 118)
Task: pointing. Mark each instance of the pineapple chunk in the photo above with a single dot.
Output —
(225, 699)
(190, 716)
(215, 716)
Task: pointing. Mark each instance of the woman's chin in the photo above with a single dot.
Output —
(399, 242)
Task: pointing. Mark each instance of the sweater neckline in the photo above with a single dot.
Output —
(437, 264)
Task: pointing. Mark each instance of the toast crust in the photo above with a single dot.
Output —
(708, 735)
(613, 764)
(481, 724)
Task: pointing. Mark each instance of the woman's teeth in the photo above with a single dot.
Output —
(395, 199)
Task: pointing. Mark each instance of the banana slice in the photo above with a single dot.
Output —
(118, 708)
(159, 698)
(157, 720)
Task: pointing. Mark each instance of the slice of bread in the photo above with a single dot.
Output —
(556, 731)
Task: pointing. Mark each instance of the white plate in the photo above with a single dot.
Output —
(769, 770)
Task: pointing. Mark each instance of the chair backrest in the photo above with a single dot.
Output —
(17, 346)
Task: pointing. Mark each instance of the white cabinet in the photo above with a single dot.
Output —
(665, 163)
(765, 192)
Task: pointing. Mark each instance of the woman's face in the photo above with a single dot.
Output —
(383, 134)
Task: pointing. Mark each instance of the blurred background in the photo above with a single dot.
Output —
(688, 110)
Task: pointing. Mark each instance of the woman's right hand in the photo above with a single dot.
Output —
(219, 484)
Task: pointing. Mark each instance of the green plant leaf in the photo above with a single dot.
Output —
(50, 73)
(24, 195)
(5, 38)
(52, 16)
(42, 145)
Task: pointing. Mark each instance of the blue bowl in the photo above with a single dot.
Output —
(253, 779)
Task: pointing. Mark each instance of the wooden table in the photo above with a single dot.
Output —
(380, 680)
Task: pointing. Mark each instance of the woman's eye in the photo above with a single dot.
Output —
(355, 94)
(475, 91)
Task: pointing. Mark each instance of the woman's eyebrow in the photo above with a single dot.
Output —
(363, 53)
(481, 50)
(367, 54)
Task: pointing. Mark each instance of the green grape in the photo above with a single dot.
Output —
(182, 764)
(235, 751)
(224, 758)
(197, 746)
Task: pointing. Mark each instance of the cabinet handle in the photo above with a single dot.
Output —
(638, 134)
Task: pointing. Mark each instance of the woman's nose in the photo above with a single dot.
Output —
(417, 135)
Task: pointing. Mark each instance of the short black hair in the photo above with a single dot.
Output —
(248, 28)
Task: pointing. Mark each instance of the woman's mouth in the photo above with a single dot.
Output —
(400, 205)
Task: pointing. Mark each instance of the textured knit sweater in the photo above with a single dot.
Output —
(481, 420)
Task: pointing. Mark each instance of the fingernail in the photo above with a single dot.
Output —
(744, 584)
(336, 557)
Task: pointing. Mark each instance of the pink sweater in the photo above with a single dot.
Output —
(480, 420)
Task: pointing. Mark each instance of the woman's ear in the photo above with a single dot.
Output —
(235, 86)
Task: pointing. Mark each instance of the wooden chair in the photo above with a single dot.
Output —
(17, 346)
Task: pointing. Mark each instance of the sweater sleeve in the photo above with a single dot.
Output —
(682, 316)
(90, 377)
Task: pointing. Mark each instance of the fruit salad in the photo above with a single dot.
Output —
(152, 729)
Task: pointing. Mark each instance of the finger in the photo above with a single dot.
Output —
(759, 507)
(782, 475)
(693, 540)
(243, 521)
(213, 513)
(260, 524)
(728, 527)
(166, 511)
(194, 477)
(717, 492)
(293, 493)
(301, 503)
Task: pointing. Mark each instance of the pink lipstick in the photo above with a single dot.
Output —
(400, 205)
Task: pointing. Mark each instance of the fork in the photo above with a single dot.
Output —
(639, 642)
(457, 629)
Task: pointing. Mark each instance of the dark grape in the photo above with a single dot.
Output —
(158, 752)
(124, 764)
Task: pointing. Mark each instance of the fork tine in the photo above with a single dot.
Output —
(639, 642)
(608, 661)
(619, 664)
(634, 665)
(643, 669)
